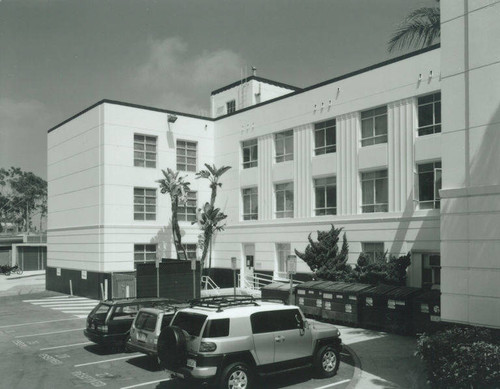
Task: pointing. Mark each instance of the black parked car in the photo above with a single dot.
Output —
(109, 322)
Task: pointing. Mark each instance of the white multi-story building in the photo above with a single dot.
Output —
(367, 151)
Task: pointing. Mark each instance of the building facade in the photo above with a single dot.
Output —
(367, 151)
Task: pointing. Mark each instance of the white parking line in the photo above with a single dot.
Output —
(145, 383)
(48, 333)
(66, 345)
(49, 301)
(40, 322)
(332, 385)
(109, 360)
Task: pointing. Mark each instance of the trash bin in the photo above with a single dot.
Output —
(334, 301)
(399, 317)
(276, 290)
(427, 312)
(373, 306)
(309, 297)
(351, 307)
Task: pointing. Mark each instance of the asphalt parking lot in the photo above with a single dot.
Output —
(42, 346)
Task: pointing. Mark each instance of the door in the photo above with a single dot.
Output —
(248, 265)
(292, 340)
(263, 336)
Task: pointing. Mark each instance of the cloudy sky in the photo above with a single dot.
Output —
(57, 57)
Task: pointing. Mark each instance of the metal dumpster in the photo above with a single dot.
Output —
(399, 317)
(309, 297)
(344, 306)
(277, 290)
(334, 301)
(373, 306)
(427, 311)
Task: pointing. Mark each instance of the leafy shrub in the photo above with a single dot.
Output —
(461, 357)
(391, 271)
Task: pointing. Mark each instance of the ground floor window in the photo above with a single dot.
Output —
(282, 253)
(372, 250)
(431, 271)
(144, 253)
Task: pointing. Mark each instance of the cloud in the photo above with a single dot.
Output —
(178, 79)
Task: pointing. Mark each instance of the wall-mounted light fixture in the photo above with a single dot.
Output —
(171, 118)
(420, 77)
(430, 74)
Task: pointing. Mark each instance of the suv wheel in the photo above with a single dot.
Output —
(237, 376)
(326, 361)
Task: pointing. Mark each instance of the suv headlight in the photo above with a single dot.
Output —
(207, 347)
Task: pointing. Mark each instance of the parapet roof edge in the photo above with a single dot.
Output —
(256, 78)
(116, 102)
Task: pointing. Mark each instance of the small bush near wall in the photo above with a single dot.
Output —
(461, 357)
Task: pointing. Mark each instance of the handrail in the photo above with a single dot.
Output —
(206, 281)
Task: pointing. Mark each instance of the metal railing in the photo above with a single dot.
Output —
(208, 284)
(255, 281)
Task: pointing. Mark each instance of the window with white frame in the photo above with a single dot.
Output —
(374, 126)
(186, 156)
(144, 151)
(144, 204)
(283, 144)
(250, 204)
(144, 253)
(187, 212)
(375, 191)
(325, 190)
(429, 114)
(429, 184)
(249, 149)
(431, 271)
(231, 106)
(284, 200)
(190, 250)
(282, 253)
(373, 250)
(325, 139)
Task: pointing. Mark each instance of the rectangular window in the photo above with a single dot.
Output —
(283, 142)
(187, 212)
(190, 250)
(282, 253)
(144, 151)
(431, 271)
(325, 191)
(231, 106)
(429, 184)
(250, 204)
(144, 204)
(325, 138)
(374, 126)
(373, 250)
(429, 114)
(375, 188)
(284, 200)
(249, 148)
(186, 156)
(144, 253)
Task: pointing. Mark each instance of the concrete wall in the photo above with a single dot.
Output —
(470, 221)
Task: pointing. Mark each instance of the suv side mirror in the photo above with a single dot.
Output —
(300, 322)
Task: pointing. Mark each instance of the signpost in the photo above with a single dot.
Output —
(193, 268)
(233, 266)
(291, 265)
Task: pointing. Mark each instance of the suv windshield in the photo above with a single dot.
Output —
(145, 321)
(189, 322)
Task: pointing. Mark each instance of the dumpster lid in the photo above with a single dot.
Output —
(276, 286)
(356, 288)
(335, 286)
(378, 290)
(403, 292)
(315, 285)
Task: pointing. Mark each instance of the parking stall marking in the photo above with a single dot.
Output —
(109, 360)
(37, 322)
(334, 384)
(49, 333)
(146, 383)
(66, 345)
(77, 306)
(88, 379)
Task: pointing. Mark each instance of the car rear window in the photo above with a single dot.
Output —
(125, 312)
(145, 321)
(216, 328)
(189, 322)
(100, 311)
(167, 318)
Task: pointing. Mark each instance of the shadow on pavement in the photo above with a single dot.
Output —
(145, 362)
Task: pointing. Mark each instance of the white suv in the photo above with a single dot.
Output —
(228, 340)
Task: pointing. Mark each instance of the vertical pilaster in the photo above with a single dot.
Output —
(265, 191)
(347, 163)
(302, 170)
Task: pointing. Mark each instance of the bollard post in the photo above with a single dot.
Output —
(127, 291)
(70, 288)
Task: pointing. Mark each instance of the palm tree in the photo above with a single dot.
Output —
(177, 188)
(419, 29)
(213, 174)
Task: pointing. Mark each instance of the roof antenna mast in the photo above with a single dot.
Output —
(254, 71)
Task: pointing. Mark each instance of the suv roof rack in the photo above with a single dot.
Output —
(220, 302)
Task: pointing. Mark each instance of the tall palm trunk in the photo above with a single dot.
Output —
(176, 231)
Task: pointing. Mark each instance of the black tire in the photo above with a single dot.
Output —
(172, 348)
(237, 375)
(19, 271)
(326, 361)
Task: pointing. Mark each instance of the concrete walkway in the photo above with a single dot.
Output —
(384, 360)
(26, 283)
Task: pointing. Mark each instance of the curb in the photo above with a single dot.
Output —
(357, 368)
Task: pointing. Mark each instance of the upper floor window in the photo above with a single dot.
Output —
(374, 188)
(283, 142)
(144, 204)
(429, 114)
(374, 126)
(325, 191)
(429, 184)
(282, 253)
(249, 148)
(144, 253)
(373, 250)
(250, 204)
(186, 156)
(231, 106)
(190, 250)
(284, 200)
(325, 138)
(187, 211)
(144, 150)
